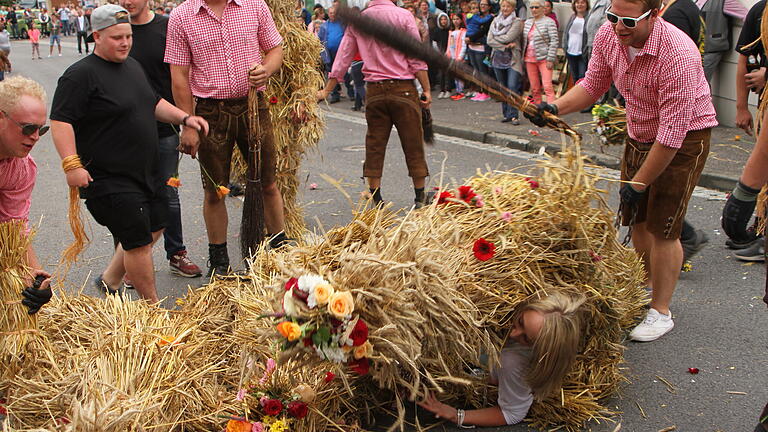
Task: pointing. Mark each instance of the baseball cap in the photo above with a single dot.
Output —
(107, 16)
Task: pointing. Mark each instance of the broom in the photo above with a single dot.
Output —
(252, 223)
(411, 47)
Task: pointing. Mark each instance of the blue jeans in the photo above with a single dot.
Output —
(476, 60)
(577, 66)
(169, 159)
(2, 75)
(511, 79)
(357, 79)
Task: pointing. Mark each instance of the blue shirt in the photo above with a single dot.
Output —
(331, 34)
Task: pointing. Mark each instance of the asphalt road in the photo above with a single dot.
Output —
(720, 319)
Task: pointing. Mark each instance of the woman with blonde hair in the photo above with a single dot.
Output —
(541, 348)
(540, 42)
(505, 38)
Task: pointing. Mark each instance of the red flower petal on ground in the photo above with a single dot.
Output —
(292, 282)
(273, 100)
(466, 193)
(359, 334)
(298, 409)
(361, 366)
(329, 376)
(483, 249)
(272, 407)
(693, 371)
(443, 197)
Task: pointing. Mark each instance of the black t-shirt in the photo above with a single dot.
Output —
(751, 32)
(684, 14)
(149, 50)
(111, 107)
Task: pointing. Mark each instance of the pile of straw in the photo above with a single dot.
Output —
(432, 308)
(609, 123)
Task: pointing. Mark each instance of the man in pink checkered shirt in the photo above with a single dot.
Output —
(658, 70)
(215, 50)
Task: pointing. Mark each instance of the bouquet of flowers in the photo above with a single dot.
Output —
(610, 124)
(319, 319)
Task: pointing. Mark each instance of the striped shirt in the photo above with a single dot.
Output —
(664, 86)
(220, 51)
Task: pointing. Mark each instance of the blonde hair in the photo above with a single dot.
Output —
(555, 348)
(512, 3)
(12, 89)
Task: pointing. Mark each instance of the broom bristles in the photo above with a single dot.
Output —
(252, 223)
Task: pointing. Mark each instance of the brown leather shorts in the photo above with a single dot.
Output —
(664, 205)
(387, 103)
(228, 122)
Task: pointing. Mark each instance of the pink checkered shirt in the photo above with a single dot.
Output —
(220, 51)
(664, 87)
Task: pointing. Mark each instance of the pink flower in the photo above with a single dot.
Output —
(271, 365)
(313, 186)
(506, 216)
(257, 427)
(480, 203)
(241, 394)
(497, 190)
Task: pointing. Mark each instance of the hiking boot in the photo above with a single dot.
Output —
(754, 253)
(218, 261)
(654, 326)
(693, 245)
(103, 287)
(736, 245)
(182, 266)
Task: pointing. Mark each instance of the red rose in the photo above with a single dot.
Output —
(483, 249)
(443, 197)
(292, 282)
(329, 376)
(273, 100)
(272, 407)
(466, 193)
(298, 409)
(534, 184)
(360, 366)
(359, 334)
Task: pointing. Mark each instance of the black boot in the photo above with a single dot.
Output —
(420, 199)
(276, 241)
(376, 197)
(218, 260)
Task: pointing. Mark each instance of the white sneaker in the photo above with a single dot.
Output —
(654, 326)
(443, 95)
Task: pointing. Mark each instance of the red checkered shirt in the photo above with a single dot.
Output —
(220, 51)
(664, 87)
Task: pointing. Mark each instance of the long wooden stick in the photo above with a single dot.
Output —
(412, 47)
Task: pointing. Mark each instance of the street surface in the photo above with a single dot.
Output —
(720, 320)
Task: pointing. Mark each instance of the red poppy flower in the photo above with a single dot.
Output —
(272, 407)
(466, 193)
(359, 334)
(443, 197)
(292, 282)
(595, 257)
(534, 184)
(693, 371)
(329, 376)
(361, 366)
(298, 409)
(273, 100)
(483, 249)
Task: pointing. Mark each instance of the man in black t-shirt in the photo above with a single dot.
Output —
(149, 32)
(104, 118)
(684, 14)
(749, 80)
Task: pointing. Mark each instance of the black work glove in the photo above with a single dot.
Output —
(629, 195)
(34, 297)
(538, 119)
(737, 211)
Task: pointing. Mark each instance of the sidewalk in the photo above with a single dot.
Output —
(481, 121)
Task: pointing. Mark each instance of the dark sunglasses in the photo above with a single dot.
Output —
(535, 7)
(628, 22)
(28, 129)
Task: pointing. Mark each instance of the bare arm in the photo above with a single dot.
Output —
(260, 72)
(189, 141)
(484, 417)
(657, 161)
(168, 113)
(755, 174)
(64, 140)
(576, 99)
(743, 116)
(423, 78)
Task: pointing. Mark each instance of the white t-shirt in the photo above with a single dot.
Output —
(575, 35)
(515, 397)
(632, 53)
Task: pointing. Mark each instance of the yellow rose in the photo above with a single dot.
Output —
(364, 350)
(306, 393)
(341, 304)
(289, 330)
(323, 292)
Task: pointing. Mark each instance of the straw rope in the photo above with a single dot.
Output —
(71, 253)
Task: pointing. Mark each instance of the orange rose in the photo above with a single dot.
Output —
(305, 393)
(239, 426)
(323, 292)
(222, 191)
(341, 304)
(173, 182)
(364, 350)
(290, 330)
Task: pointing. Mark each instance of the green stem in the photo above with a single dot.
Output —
(205, 171)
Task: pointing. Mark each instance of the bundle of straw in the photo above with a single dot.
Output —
(609, 122)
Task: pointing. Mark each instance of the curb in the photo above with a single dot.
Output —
(714, 181)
